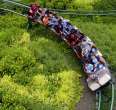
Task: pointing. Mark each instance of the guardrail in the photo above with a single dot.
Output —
(99, 97)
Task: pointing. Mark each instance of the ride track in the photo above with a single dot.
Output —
(99, 93)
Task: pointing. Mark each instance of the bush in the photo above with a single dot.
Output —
(78, 4)
(10, 21)
(105, 5)
(35, 70)
(13, 36)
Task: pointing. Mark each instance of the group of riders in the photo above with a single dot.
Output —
(84, 48)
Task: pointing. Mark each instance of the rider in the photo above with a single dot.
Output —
(88, 68)
(45, 20)
(32, 14)
(64, 24)
(32, 11)
(53, 22)
(72, 39)
(86, 47)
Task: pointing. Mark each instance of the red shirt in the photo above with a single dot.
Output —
(72, 39)
(33, 9)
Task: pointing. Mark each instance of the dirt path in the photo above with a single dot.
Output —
(87, 101)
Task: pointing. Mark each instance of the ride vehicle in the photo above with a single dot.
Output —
(93, 62)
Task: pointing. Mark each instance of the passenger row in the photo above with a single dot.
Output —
(84, 48)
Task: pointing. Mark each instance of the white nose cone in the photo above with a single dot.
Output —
(103, 78)
(93, 85)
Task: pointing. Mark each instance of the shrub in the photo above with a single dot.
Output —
(105, 5)
(14, 36)
(34, 71)
(78, 4)
(10, 21)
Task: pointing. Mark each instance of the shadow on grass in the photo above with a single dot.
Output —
(39, 31)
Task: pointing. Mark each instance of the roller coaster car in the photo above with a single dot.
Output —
(104, 76)
(81, 44)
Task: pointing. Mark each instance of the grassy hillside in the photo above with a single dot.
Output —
(37, 70)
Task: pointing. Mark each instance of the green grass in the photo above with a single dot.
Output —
(77, 4)
(37, 70)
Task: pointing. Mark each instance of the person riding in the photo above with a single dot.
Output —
(60, 26)
(32, 14)
(64, 24)
(89, 68)
(53, 22)
(45, 20)
(32, 11)
(86, 47)
(72, 40)
(94, 60)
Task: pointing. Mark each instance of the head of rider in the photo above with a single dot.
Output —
(33, 9)
(89, 68)
(94, 60)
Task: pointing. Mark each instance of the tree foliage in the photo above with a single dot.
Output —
(105, 5)
(78, 4)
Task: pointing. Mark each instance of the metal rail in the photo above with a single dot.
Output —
(90, 14)
(68, 12)
(61, 10)
(95, 11)
(113, 95)
(8, 10)
(16, 3)
(99, 96)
